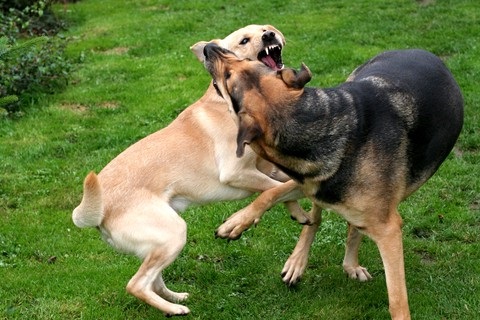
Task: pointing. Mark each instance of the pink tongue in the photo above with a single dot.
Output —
(269, 62)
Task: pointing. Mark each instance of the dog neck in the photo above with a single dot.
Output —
(211, 94)
(312, 134)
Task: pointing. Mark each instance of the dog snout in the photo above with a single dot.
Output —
(268, 36)
(206, 50)
(212, 50)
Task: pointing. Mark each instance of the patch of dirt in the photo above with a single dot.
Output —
(74, 107)
(422, 233)
(109, 105)
(475, 205)
(458, 152)
(426, 257)
(425, 2)
(116, 51)
(161, 7)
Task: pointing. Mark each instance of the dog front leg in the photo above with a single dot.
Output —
(297, 262)
(240, 221)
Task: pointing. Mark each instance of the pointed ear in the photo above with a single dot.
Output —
(295, 79)
(248, 130)
(198, 47)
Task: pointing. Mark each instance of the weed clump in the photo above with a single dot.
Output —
(32, 52)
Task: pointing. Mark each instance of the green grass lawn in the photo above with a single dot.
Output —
(137, 75)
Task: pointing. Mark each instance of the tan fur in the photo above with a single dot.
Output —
(136, 198)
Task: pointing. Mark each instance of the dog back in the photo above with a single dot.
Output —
(418, 87)
(398, 116)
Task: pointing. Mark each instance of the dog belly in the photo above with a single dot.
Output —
(180, 203)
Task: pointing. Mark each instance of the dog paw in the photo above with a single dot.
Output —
(290, 279)
(176, 310)
(171, 296)
(299, 215)
(179, 296)
(294, 268)
(359, 273)
(302, 219)
(230, 232)
(235, 225)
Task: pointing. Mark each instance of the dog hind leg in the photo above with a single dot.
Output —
(350, 261)
(160, 288)
(297, 262)
(388, 237)
(142, 285)
(157, 233)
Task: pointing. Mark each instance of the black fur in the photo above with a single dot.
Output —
(331, 125)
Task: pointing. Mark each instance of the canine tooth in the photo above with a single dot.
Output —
(266, 50)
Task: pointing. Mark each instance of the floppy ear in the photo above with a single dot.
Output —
(198, 47)
(296, 79)
(248, 130)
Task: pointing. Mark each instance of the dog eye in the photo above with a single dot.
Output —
(244, 40)
(227, 75)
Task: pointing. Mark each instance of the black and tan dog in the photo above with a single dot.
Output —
(359, 148)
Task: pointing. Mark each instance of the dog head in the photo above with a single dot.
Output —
(253, 90)
(255, 42)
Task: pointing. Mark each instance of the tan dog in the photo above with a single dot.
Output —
(359, 148)
(136, 199)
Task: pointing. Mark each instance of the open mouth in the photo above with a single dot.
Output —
(272, 57)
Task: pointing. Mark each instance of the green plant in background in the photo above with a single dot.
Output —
(38, 67)
(7, 52)
(32, 58)
(8, 100)
(28, 18)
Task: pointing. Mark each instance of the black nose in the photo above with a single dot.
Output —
(210, 49)
(268, 35)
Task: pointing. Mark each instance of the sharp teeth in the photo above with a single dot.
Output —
(269, 48)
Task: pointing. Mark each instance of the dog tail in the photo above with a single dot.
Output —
(89, 212)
